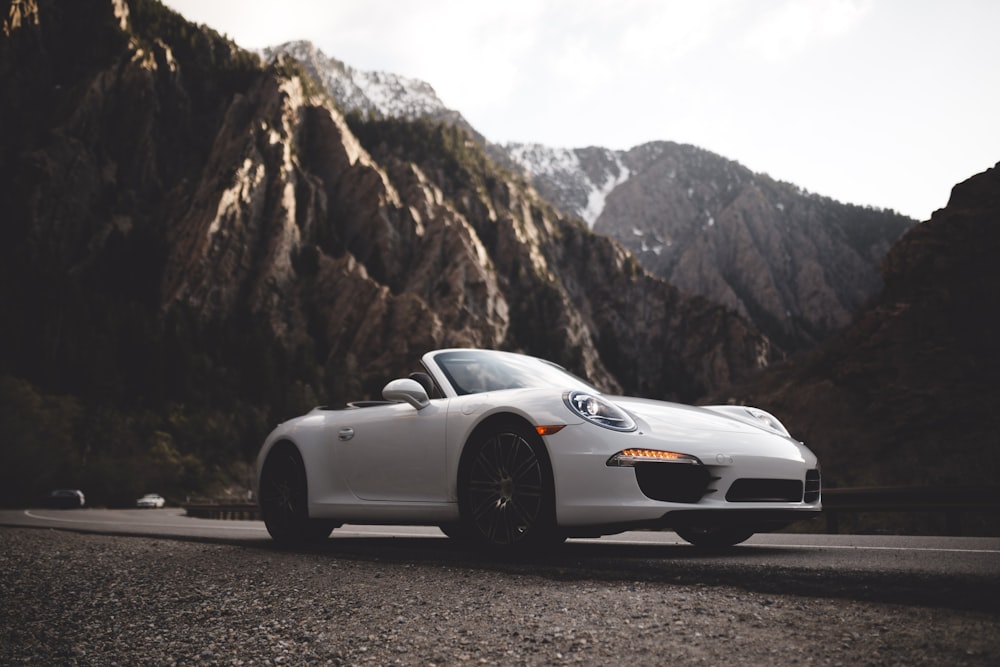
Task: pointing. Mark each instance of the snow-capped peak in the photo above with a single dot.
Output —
(579, 179)
(383, 93)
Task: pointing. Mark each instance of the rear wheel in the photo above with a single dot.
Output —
(506, 495)
(716, 536)
(283, 500)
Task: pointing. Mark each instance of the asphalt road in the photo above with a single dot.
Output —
(955, 572)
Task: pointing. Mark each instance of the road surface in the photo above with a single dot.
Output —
(942, 571)
(98, 587)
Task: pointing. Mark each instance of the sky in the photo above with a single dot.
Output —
(883, 103)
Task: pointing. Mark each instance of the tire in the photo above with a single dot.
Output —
(505, 492)
(716, 537)
(283, 501)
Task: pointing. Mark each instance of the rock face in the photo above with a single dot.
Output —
(797, 265)
(370, 94)
(194, 245)
(185, 224)
(910, 389)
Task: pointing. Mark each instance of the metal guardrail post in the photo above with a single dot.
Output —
(952, 501)
(222, 510)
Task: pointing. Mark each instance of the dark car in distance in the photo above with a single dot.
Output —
(65, 499)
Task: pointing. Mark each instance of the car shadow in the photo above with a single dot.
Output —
(755, 568)
(759, 569)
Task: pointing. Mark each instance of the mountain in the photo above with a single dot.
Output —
(196, 245)
(907, 394)
(796, 264)
(371, 94)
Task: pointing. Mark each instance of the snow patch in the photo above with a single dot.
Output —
(563, 168)
(598, 196)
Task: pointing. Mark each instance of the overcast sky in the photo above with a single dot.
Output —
(886, 103)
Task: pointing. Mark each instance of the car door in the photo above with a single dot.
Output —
(394, 452)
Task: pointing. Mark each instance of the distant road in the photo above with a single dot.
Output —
(948, 571)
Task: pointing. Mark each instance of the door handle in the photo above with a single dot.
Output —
(345, 434)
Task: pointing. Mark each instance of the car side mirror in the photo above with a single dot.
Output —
(406, 390)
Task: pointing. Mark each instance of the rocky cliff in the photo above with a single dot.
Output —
(194, 245)
(195, 235)
(378, 95)
(907, 394)
(796, 264)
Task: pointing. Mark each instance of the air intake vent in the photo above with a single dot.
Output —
(672, 482)
(813, 486)
(765, 491)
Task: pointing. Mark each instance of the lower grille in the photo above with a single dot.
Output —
(765, 491)
(672, 482)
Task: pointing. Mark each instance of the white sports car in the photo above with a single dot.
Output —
(513, 452)
(151, 500)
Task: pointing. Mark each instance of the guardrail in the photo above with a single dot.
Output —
(235, 511)
(952, 501)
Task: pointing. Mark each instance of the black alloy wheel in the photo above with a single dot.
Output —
(283, 503)
(506, 494)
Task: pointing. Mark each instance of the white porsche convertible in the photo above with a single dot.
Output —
(515, 452)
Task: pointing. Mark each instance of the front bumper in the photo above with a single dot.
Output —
(761, 481)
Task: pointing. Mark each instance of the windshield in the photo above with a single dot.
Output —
(478, 371)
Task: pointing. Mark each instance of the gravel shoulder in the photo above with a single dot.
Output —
(85, 599)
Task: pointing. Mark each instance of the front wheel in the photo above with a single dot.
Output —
(717, 536)
(283, 500)
(506, 495)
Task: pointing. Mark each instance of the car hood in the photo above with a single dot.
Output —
(699, 430)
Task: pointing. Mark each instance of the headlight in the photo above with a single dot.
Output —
(598, 411)
(768, 420)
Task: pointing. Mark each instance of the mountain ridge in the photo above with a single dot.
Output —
(368, 92)
(910, 386)
(796, 264)
(199, 245)
(196, 245)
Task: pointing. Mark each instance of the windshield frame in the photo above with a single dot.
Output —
(475, 371)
